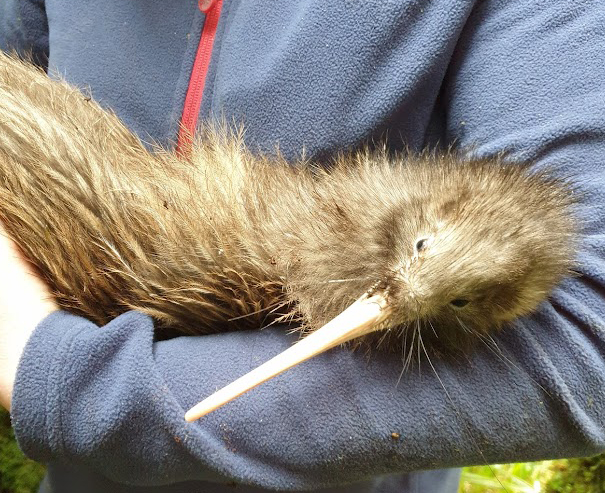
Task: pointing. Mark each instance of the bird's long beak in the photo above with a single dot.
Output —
(362, 317)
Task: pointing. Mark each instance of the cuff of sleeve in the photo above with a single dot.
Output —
(36, 401)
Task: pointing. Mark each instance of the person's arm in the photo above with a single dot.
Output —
(24, 302)
(24, 28)
(527, 76)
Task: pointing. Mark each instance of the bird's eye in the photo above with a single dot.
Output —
(459, 302)
(421, 243)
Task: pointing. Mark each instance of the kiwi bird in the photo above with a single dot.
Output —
(222, 239)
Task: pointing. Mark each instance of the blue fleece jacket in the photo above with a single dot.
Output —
(104, 406)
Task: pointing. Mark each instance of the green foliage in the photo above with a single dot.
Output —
(501, 478)
(17, 473)
(586, 475)
(577, 476)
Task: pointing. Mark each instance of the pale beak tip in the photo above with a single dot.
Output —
(360, 318)
(194, 414)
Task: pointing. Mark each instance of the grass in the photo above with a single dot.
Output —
(512, 478)
(17, 473)
(582, 475)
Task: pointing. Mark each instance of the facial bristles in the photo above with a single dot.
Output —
(364, 316)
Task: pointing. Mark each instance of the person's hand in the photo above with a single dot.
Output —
(24, 301)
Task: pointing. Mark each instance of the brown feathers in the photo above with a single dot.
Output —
(228, 240)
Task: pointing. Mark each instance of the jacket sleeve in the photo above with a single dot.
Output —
(528, 78)
(24, 28)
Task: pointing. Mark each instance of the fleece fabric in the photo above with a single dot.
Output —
(104, 406)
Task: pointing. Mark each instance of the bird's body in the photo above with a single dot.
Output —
(226, 240)
(226, 235)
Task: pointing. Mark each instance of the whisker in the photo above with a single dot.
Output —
(410, 351)
(404, 334)
(464, 327)
(383, 337)
(459, 414)
(418, 344)
(495, 349)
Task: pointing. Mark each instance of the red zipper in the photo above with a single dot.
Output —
(197, 81)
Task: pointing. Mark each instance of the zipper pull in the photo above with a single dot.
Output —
(205, 5)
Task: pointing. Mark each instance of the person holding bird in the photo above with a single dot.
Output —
(104, 406)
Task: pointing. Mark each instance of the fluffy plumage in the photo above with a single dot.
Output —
(225, 239)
